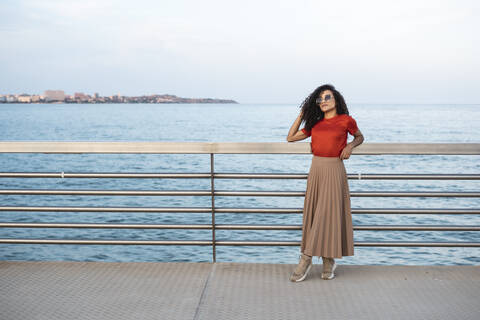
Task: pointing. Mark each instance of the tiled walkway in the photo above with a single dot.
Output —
(94, 290)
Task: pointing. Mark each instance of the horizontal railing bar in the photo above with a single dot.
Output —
(415, 228)
(352, 194)
(229, 193)
(235, 226)
(357, 244)
(109, 209)
(414, 211)
(417, 244)
(157, 147)
(227, 147)
(357, 227)
(353, 210)
(107, 242)
(352, 176)
(232, 243)
(259, 210)
(104, 175)
(104, 226)
(107, 192)
(234, 210)
(260, 176)
(410, 176)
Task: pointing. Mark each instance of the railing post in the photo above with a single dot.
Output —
(212, 185)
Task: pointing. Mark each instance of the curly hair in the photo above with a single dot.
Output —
(311, 112)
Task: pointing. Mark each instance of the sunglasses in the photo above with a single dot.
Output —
(326, 98)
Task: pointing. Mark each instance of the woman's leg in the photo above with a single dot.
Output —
(302, 269)
(329, 266)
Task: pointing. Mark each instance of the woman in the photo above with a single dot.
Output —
(327, 230)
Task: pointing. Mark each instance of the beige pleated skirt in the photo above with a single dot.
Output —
(327, 229)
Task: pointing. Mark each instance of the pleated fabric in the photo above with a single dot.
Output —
(327, 229)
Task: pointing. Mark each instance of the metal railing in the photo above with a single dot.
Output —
(232, 148)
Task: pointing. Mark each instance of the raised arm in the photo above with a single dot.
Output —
(294, 134)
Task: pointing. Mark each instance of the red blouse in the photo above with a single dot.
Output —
(329, 136)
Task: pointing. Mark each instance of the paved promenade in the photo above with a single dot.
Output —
(96, 290)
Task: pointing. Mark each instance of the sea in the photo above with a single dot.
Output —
(385, 123)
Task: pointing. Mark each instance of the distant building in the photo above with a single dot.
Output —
(116, 98)
(54, 95)
(163, 99)
(3, 99)
(36, 98)
(24, 98)
(78, 95)
(11, 98)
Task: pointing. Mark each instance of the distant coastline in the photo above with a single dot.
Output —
(58, 96)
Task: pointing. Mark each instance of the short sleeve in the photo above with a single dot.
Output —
(352, 126)
(307, 132)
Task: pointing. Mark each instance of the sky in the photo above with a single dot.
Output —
(372, 51)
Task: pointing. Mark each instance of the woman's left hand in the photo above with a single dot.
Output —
(346, 152)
